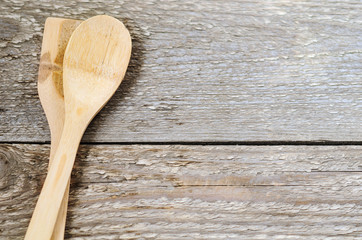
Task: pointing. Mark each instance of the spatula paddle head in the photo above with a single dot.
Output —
(57, 32)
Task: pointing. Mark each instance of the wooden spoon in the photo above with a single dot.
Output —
(57, 32)
(94, 65)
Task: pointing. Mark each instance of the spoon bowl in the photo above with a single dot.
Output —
(94, 64)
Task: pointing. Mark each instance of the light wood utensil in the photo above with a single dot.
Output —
(94, 65)
(57, 32)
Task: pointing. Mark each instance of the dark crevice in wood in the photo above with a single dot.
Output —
(215, 185)
(221, 143)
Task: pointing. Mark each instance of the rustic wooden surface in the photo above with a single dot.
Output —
(223, 72)
(193, 192)
(203, 71)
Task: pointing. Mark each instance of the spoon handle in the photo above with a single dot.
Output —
(46, 210)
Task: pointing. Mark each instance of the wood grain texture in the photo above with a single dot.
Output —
(193, 192)
(203, 71)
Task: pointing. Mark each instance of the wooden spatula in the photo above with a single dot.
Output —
(57, 32)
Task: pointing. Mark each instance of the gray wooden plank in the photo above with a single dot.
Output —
(193, 192)
(203, 71)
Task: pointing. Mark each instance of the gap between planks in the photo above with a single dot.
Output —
(226, 143)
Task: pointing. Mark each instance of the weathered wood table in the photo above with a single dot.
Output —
(236, 120)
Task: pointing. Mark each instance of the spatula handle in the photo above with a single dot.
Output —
(46, 210)
(59, 228)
